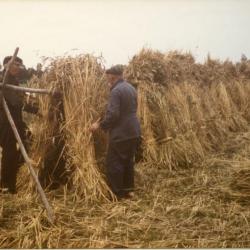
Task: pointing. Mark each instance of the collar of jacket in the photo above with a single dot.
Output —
(115, 84)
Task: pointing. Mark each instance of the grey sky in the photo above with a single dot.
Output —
(120, 28)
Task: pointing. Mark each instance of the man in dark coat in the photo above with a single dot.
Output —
(124, 132)
(11, 156)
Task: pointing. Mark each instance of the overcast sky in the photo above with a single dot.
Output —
(118, 29)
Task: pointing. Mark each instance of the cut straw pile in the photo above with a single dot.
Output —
(81, 80)
(186, 109)
(240, 184)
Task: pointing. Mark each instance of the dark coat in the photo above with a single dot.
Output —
(120, 119)
(14, 101)
(16, 104)
(11, 156)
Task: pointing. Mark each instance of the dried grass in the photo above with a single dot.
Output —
(184, 116)
(193, 182)
(81, 80)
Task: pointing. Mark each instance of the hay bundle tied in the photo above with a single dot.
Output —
(63, 146)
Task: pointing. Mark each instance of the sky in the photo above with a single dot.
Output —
(118, 29)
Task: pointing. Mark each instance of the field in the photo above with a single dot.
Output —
(192, 183)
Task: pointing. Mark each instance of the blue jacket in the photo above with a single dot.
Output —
(120, 119)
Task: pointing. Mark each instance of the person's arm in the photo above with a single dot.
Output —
(113, 111)
(30, 104)
(30, 108)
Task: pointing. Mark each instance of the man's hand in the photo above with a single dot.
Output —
(94, 126)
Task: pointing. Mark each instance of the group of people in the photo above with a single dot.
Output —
(120, 121)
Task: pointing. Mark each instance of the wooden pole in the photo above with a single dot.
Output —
(22, 148)
(25, 89)
(28, 161)
(13, 58)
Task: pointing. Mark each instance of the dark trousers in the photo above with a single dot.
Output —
(11, 155)
(120, 166)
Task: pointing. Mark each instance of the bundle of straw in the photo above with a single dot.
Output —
(84, 93)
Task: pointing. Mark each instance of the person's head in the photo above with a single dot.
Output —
(39, 67)
(114, 74)
(16, 68)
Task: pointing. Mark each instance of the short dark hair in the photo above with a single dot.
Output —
(115, 70)
(8, 58)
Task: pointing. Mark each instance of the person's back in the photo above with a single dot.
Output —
(127, 125)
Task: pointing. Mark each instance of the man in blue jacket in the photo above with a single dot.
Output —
(124, 132)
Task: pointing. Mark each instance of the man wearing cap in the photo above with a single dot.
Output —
(124, 132)
(11, 156)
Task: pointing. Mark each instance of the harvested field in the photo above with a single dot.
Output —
(192, 183)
